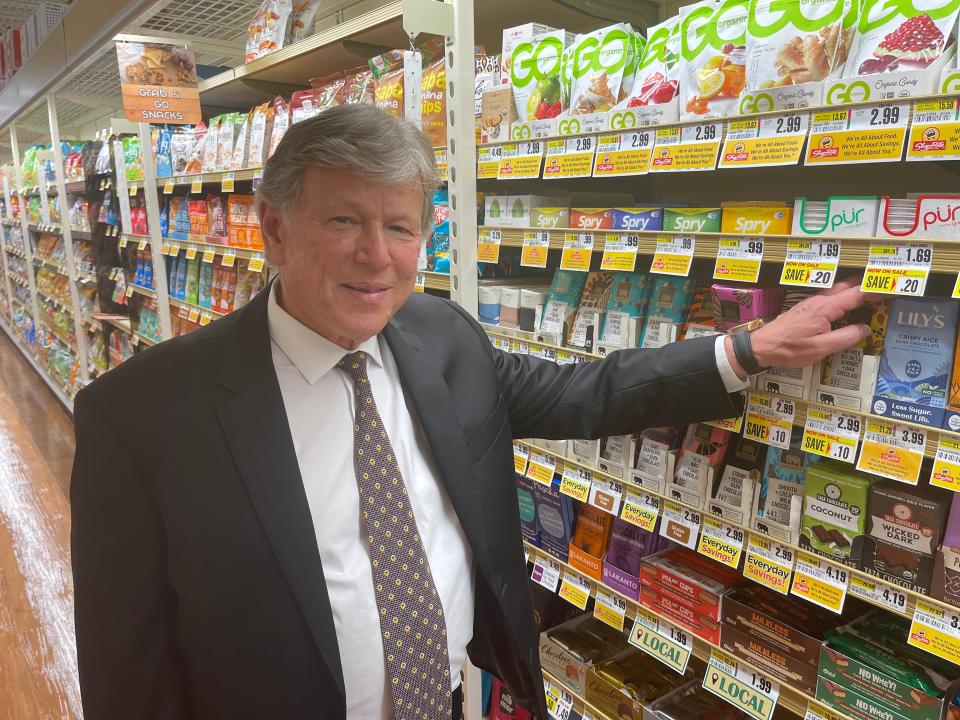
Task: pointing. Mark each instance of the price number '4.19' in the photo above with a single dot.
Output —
(836, 574)
(884, 116)
(789, 124)
(706, 132)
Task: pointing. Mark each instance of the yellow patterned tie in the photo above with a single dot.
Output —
(412, 624)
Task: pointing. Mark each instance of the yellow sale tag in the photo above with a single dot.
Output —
(620, 252)
(569, 158)
(226, 184)
(123, 243)
(208, 256)
(174, 247)
(229, 258)
(820, 582)
(205, 318)
(541, 468)
(855, 146)
(129, 292)
(168, 187)
(769, 563)
(194, 315)
(420, 283)
(831, 434)
(576, 483)
(256, 264)
(641, 511)
(734, 425)
(609, 609)
(936, 630)
(946, 465)
(811, 263)
(191, 252)
(673, 255)
(536, 244)
(956, 288)
(197, 185)
(721, 542)
(520, 456)
(521, 160)
(575, 589)
(577, 250)
(133, 189)
(617, 155)
(935, 131)
(488, 245)
(816, 711)
(488, 169)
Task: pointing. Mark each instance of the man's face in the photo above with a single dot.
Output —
(348, 254)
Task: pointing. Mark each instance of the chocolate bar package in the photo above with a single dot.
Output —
(488, 305)
(531, 305)
(627, 548)
(509, 307)
(951, 419)
(562, 300)
(555, 518)
(703, 449)
(692, 702)
(568, 651)
(590, 311)
(909, 517)
(701, 313)
(628, 299)
(590, 537)
(897, 565)
(744, 461)
(623, 685)
(783, 478)
(667, 309)
(737, 305)
(654, 451)
(835, 509)
(917, 359)
(527, 504)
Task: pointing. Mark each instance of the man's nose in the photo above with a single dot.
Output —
(372, 246)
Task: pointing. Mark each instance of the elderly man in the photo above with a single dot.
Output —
(313, 514)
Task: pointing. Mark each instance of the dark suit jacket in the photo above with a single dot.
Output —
(199, 587)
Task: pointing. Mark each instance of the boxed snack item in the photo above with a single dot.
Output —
(562, 300)
(628, 302)
(627, 548)
(837, 216)
(703, 309)
(535, 75)
(951, 418)
(691, 219)
(531, 308)
(778, 506)
(699, 461)
(917, 357)
(847, 378)
(585, 451)
(495, 208)
(555, 518)
(731, 493)
(638, 218)
(835, 509)
(623, 685)
(897, 565)
(591, 218)
(692, 702)
(602, 63)
(589, 543)
(756, 219)
(657, 79)
(527, 504)
(569, 650)
(509, 307)
(919, 216)
(497, 113)
(593, 303)
(616, 454)
(713, 39)
(666, 310)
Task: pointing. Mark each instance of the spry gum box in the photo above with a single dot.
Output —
(691, 219)
(638, 218)
(591, 218)
(756, 220)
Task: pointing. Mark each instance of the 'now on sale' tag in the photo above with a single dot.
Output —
(898, 268)
(769, 419)
(811, 263)
(831, 434)
(747, 690)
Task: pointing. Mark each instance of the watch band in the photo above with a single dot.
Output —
(743, 350)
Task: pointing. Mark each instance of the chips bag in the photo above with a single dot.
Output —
(599, 63)
(388, 95)
(713, 40)
(260, 119)
(268, 28)
(281, 121)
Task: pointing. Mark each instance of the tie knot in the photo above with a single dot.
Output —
(355, 365)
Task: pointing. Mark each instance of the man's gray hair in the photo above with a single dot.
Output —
(358, 139)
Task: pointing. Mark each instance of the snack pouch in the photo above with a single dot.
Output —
(268, 28)
(713, 50)
(240, 146)
(225, 141)
(260, 118)
(281, 121)
(535, 75)
(598, 64)
(210, 145)
(181, 143)
(301, 20)
(433, 105)
(357, 87)
(657, 77)
(326, 90)
(798, 42)
(132, 162)
(902, 36)
(164, 159)
(388, 95)
(302, 106)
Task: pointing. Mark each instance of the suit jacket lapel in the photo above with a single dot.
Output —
(254, 422)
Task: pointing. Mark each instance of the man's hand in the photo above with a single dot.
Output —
(803, 335)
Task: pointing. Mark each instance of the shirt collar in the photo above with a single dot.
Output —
(311, 353)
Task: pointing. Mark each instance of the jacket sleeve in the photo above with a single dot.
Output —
(125, 606)
(628, 391)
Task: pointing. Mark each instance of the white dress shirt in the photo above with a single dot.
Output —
(318, 400)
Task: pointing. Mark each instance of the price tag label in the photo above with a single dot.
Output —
(892, 450)
(168, 187)
(739, 259)
(577, 250)
(641, 510)
(820, 582)
(811, 263)
(898, 268)
(751, 692)
(541, 468)
(133, 189)
(521, 160)
(690, 148)
(956, 288)
(936, 630)
(769, 563)
(226, 183)
(191, 252)
(534, 251)
(546, 572)
(196, 185)
(576, 483)
(174, 247)
(734, 424)
(673, 255)
(194, 315)
(662, 640)
(559, 703)
(935, 131)
(520, 457)
(816, 711)
(575, 589)
(570, 158)
(680, 524)
(123, 244)
(765, 142)
(208, 256)
(610, 609)
(721, 542)
(832, 434)
(488, 245)
(229, 258)
(256, 263)
(620, 252)
(769, 419)
(886, 595)
(868, 134)
(623, 154)
(419, 283)
(205, 319)
(946, 465)
(129, 292)
(606, 495)
(488, 161)
(440, 158)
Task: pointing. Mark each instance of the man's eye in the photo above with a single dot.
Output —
(400, 229)
(342, 219)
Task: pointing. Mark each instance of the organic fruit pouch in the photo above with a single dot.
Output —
(902, 36)
(535, 75)
(798, 42)
(713, 50)
(598, 64)
(657, 77)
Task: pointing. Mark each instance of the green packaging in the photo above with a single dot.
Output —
(835, 509)
(691, 219)
(193, 280)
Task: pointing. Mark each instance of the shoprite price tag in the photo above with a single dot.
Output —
(624, 154)
(721, 542)
(227, 183)
(898, 268)
(256, 264)
(576, 483)
(488, 245)
(811, 263)
(831, 434)
(867, 134)
(196, 185)
(892, 450)
(620, 252)
(739, 259)
(521, 160)
(641, 510)
(520, 457)
(419, 283)
(191, 252)
(230, 257)
(577, 250)
(610, 609)
(765, 142)
(936, 630)
(820, 582)
(559, 702)
(769, 419)
(734, 424)
(662, 640)
(688, 148)
(575, 589)
(194, 315)
(946, 465)
(878, 593)
(168, 187)
(569, 158)
(488, 161)
(208, 256)
(769, 563)
(749, 691)
(935, 131)
(816, 711)
(956, 288)
(673, 255)
(536, 244)
(541, 468)
(546, 572)
(680, 524)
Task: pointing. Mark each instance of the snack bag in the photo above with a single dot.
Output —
(210, 145)
(268, 28)
(433, 104)
(657, 78)
(793, 43)
(132, 162)
(260, 117)
(281, 121)
(713, 49)
(225, 141)
(181, 143)
(240, 146)
(535, 75)
(327, 90)
(301, 20)
(357, 87)
(387, 62)
(902, 36)
(388, 95)
(599, 62)
(164, 160)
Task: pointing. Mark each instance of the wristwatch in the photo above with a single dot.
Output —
(743, 348)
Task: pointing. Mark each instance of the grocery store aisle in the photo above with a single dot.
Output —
(38, 664)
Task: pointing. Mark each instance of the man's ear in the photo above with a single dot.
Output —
(271, 228)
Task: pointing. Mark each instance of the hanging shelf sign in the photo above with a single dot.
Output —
(158, 83)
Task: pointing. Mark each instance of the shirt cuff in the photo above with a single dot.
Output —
(731, 381)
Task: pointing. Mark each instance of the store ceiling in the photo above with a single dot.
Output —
(16, 12)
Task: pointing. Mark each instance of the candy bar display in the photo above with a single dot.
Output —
(625, 684)
(569, 650)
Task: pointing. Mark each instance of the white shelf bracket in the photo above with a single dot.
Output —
(427, 16)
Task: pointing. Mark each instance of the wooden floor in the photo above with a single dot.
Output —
(38, 663)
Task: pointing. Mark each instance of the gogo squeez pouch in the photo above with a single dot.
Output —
(713, 50)
(603, 65)
(789, 43)
(535, 75)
